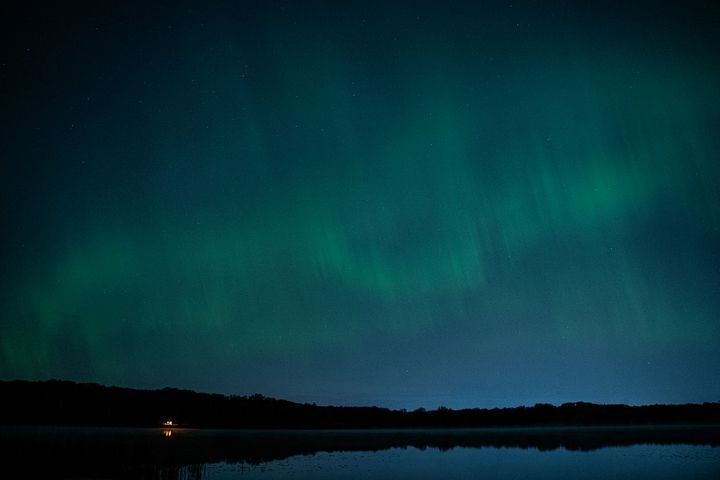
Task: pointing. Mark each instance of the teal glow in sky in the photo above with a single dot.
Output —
(408, 205)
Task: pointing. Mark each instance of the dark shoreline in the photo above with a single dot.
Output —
(92, 452)
(75, 404)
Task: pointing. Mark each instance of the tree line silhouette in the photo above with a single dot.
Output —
(57, 402)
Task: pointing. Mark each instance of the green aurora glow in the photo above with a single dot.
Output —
(389, 210)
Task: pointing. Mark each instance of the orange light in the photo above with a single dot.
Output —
(167, 433)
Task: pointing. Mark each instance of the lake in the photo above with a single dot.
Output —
(539, 453)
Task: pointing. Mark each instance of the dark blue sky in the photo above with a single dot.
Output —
(396, 203)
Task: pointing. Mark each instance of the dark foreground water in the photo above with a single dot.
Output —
(543, 453)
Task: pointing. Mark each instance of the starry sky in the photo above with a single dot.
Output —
(407, 204)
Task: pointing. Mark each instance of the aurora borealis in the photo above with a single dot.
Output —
(397, 203)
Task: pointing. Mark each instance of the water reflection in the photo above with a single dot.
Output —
(207, 454)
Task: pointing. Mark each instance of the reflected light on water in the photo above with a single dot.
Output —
(668, 453)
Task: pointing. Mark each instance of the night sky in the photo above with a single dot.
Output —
(401, 204)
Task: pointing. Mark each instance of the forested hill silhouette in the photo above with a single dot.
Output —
(87, 404)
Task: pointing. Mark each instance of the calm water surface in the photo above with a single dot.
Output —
(579, 453)
(635, 462)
